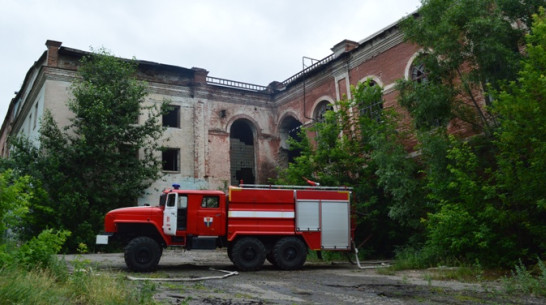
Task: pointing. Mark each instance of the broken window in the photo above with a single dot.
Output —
(171, 159)
(418, 70)
(289, 131)
(172, 117)
(372, 109)
(321, 110)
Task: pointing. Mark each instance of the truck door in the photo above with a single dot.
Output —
(210, 217)
(170, 214)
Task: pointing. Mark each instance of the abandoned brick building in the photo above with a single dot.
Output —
(221, 131)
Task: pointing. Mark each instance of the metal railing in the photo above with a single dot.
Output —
(312, 67)
(234, 84)
(259, 88)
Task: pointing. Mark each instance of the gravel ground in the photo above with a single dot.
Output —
(317, 283)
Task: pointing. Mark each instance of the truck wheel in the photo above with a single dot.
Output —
(142, 254)
(248, 254)
(290, 253)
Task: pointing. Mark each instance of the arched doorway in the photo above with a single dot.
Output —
(241, 152)
(289, 129)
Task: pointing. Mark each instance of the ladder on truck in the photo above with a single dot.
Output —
(291, 187)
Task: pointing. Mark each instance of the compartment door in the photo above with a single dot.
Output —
(335, 225)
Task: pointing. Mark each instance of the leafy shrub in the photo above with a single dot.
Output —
(14, 197)
(522, 280)
(39, 251)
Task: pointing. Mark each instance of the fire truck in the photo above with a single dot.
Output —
(255, 223)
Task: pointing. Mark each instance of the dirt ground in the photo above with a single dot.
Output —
(177, 282)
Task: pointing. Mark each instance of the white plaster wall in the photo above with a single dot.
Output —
(182, 138)
(56, 96)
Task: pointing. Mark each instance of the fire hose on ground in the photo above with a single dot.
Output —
(190, 279)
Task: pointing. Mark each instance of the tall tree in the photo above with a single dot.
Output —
(357, 145)
(469, 46)
(485, 196)
(521, 143)
(106, 156)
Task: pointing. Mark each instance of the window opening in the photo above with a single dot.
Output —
(242, 153)
(170, 159)
(374, 109)
(182, 212)
(290, 128)
(35, 116)
(321, 110)
(418, 70)
(172, 117)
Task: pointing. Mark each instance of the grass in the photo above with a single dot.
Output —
(519, 281)
(44, 286)
(31, 287)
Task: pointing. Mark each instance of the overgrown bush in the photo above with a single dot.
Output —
(484, 195)
(522, 281)
(40, 251)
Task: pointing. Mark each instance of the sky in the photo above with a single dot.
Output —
(253, 41)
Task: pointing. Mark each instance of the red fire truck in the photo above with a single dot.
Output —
(255, 222)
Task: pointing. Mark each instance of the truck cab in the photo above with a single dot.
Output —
(193, 219)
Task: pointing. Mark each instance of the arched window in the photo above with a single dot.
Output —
(372, 109)
(418, 71)
(321, 110)
(242, 158)
(289, 129)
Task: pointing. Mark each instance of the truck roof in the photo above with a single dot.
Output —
(195, 192)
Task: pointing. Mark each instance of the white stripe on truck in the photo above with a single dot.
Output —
(260, 214)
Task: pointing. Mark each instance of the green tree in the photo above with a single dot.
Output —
(521, 142)
(358, 146)
(15, 193)
(470, 46)
(104, 158)
(486, 193)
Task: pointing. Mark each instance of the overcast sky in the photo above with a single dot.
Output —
(254, 41)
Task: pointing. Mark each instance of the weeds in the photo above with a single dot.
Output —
(38, 286)
(55, 285)
(522, 280)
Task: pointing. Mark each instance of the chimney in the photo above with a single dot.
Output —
(344, 46)
(53, 52)
(200, 75)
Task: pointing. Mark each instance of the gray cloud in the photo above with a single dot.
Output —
(251, 41)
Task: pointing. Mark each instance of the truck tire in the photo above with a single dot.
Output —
(142, 254)
(290, 253)
(248, 254)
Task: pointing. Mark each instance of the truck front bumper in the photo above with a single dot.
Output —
(102, 239)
